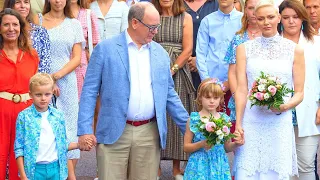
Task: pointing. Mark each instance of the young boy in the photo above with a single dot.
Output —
(41, 144)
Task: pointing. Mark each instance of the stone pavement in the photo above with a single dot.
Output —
(86, 168)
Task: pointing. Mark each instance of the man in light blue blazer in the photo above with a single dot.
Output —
(132, 75)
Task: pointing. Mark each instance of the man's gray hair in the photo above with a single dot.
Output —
(137, 11)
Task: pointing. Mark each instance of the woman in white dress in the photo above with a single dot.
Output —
(295, 25)
(269, 149)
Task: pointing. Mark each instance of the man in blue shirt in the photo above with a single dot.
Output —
(215, 33)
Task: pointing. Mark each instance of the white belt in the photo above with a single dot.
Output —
(16, 98)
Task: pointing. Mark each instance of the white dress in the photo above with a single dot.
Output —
(269, 149)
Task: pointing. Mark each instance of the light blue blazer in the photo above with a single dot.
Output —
(108, 74)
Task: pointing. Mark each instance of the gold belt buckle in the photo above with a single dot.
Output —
(16, 98)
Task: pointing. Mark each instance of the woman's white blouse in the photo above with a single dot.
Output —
(114, 22)
(307, 109)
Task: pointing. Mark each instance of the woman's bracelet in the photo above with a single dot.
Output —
(175, 68)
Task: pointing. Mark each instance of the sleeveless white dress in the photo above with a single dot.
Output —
(269, 149)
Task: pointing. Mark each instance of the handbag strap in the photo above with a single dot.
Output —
(89, 25)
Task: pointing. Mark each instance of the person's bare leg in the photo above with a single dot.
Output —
(71, 170)
(176, 167)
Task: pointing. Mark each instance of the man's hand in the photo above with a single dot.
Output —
(85, 144)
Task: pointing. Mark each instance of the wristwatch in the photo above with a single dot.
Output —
(175, 68)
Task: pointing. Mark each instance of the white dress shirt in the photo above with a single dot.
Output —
(141, 102)
(47, 151)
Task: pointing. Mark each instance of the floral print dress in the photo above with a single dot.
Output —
(231, 59)
(206, 165)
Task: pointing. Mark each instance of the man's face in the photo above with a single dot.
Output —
(313, 9)
(147, 27)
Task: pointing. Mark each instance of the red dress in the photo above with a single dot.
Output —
(14, 78)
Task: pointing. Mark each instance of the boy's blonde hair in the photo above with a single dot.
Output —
(40, 79)
(210, 87)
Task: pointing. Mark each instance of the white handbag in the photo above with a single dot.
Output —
(89, 25)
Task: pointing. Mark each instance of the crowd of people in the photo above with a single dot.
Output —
(134, 79)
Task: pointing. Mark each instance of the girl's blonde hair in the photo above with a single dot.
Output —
(210, 87)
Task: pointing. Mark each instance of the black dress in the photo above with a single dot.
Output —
(208, 7)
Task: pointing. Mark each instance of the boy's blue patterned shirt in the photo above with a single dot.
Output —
(28, 136)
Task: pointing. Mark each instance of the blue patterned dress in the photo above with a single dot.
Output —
(41, 43)
(231, 59)
(206, 165)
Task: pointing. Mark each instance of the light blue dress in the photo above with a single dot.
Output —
(206, 165)
(62, 38)
(231, 59)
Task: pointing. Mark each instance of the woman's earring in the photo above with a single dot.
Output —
(281, 27)
(302, 27)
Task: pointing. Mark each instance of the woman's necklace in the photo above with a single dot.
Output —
(253, 34)
(198, 14)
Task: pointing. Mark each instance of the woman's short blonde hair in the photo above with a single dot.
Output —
(265, 3)
(40, 79)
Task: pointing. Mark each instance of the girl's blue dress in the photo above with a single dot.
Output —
(206, 165)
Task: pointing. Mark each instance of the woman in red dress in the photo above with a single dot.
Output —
(18, 62)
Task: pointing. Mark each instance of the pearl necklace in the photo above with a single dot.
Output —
(198, 14)
(253, 34)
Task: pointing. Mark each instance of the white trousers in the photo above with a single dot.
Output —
(306, 154)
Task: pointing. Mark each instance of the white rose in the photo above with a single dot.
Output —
(278, 81)
(266, 96)
(262, 81)
(219, 132)
(261, 87)
(205, 120)
(272, 78)
(220, 136)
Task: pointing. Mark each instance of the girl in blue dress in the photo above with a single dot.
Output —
(205, 162)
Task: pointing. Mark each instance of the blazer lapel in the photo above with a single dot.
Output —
(122, 49)
(153, 61)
